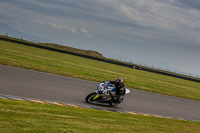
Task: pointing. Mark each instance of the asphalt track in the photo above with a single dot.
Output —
(39, 85)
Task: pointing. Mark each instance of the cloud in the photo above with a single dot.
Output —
(60, 27)
(83, 30)
(74, 31)
(193, 4)
(152, 19)
(63, 27)
(169, 23)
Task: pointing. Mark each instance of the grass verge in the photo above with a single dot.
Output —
(24, 116)
(18, 55)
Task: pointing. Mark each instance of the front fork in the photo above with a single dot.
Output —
(97, 96)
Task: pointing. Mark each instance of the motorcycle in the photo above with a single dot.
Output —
(104, 94)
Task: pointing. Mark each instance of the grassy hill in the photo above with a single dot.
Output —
(15, 54)
(54, 46)
(96, 56)
(75, 50)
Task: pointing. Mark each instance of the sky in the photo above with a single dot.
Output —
(159, 33)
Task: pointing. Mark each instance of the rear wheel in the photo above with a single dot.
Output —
(90, 97)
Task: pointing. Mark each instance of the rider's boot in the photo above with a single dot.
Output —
(114, 99)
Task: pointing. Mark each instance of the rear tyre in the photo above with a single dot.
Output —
(90, 97)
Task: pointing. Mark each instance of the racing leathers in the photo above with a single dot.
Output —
(120, 91)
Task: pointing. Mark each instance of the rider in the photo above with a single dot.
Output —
(120, 89)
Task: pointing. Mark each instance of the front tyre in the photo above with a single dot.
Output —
(90, 97)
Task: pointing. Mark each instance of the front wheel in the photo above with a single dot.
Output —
(90, 97)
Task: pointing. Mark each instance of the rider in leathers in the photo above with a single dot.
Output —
(120, 89)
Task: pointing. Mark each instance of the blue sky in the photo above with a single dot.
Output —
(162, 33)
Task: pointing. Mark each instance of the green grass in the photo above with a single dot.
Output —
(18, 55)
(24, 116)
